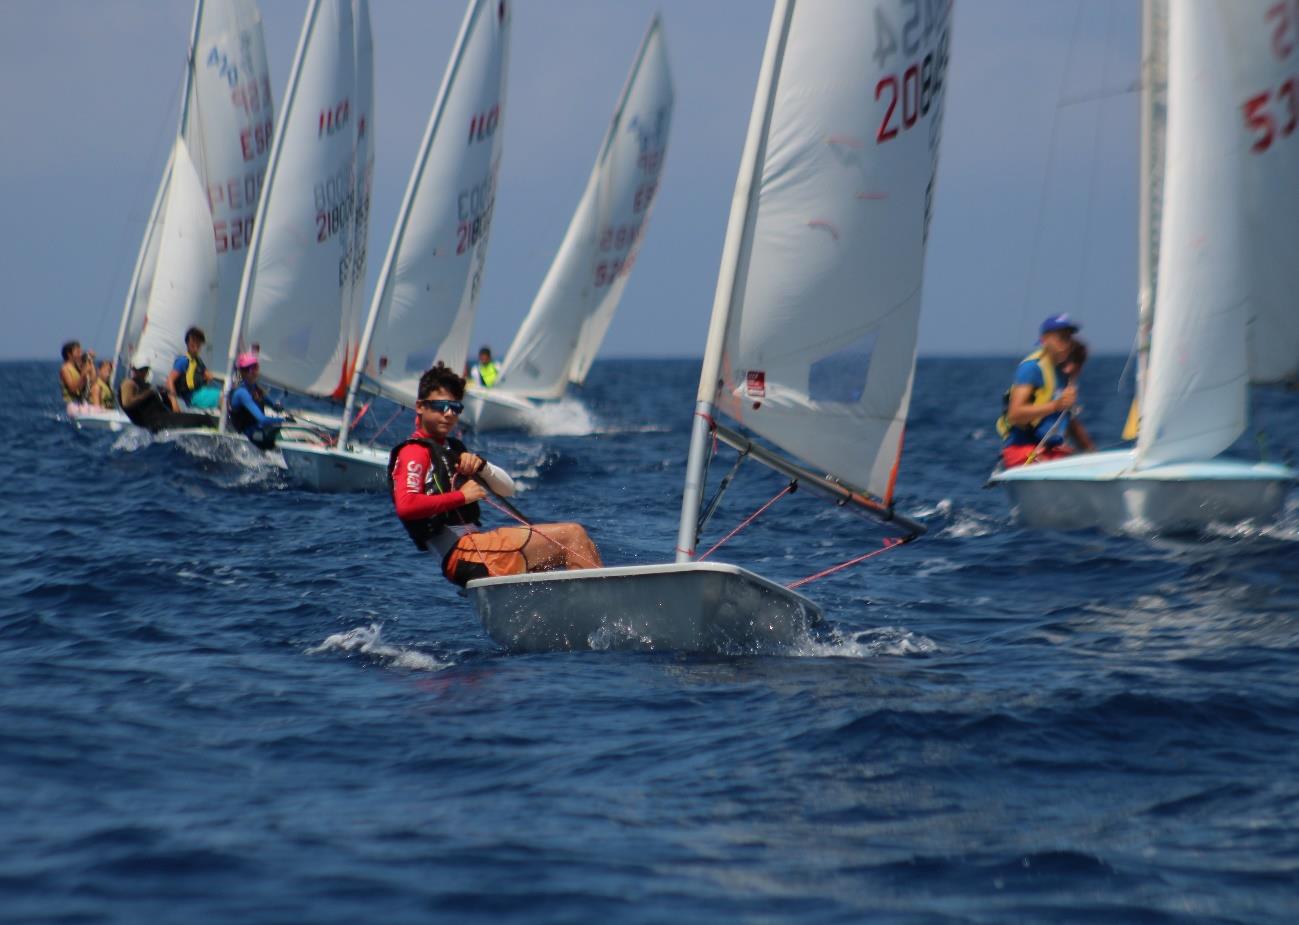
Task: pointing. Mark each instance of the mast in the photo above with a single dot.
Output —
(259, 223)
(1154, 57)
(739, 230)
(155, 212)
(403, 216)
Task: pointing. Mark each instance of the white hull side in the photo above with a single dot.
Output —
(486, 411)
(330, 469)
(1103, 491)
(98, 419)
(689, 607)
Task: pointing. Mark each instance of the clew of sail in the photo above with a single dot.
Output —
(424, 305)
(819, 345)
(563, 330)
(184, 284)
(1194, 404)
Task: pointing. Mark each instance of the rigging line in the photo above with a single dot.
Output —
(721, 489)
(1046, 176)
(1099, 95)
(509, 509)
(891, 542)
(1091, 180)
(379, 434)
(792, 486)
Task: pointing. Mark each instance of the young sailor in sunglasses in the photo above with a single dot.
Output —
(436, 487)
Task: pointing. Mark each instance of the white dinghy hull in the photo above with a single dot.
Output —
(330, 469)
(99, 419)
(1103, 491)
(684, 607)
(486, 411)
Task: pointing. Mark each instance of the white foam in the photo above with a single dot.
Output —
(567, 417)
(368, 641)
(872, 643)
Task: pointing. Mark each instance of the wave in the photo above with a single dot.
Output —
(368, 641)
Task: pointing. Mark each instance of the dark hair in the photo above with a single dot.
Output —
(441, 377)
(484, 349)
(1078, 353)
(196, 332)
(69, 347)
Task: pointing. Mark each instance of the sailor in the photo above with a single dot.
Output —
(1037, 420)
(189, 380)
(72, 380)
(248, 405)
(485, 372)
(101, 389)
(147, 408)
(437, 484)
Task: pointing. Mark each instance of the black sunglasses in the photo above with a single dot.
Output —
(442, 405)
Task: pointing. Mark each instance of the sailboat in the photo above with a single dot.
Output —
(812, 341)
(560, 336)
(1220, 223)
(423, 307)
(190, 261)
(297, 287)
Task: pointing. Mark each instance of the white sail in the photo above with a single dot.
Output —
(354, 311)
(184, 286)
(226, 124)
(563, 330)
(1262, 38)
(297, 279)
(819, 344)
(1194, 402)
(428, 288)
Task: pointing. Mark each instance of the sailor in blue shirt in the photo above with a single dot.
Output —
(1039, 405)
(248, 405)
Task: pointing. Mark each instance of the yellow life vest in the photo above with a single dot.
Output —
(488, 372)
(1042, 395)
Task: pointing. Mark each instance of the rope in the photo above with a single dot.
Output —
(750, 519)
(516, 515)
(360, 414)
(379, 434)
(889, 543)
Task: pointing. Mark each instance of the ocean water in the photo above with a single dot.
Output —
(226, 699)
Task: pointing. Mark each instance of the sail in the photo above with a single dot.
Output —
(1194, 403)
(562, 332)
(428, 288)
(184, 286)
(297, 279)
(1263, 49)
(819, 343)
(226, 124)
(354, 311)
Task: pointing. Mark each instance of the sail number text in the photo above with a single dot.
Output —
(335, 201)
(474, 210)
(1274, 113)
(483, 125)
(908, 96)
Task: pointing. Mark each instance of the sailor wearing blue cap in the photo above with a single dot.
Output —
(1036, 414)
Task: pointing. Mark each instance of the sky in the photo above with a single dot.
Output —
(1035, 210)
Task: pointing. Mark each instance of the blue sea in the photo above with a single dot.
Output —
(226, 699)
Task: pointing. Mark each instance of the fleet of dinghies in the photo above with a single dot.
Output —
(1220, 218)
(259, 235)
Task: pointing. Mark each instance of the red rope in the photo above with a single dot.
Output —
(385, 425)
(889, 543)
(360, 414)
(748, 520)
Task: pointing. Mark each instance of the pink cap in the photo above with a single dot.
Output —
(247, 359)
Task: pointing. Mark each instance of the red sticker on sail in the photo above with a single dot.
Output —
(755, 383)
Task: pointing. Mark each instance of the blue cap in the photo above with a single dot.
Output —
(1061, 322)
